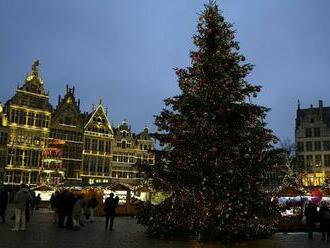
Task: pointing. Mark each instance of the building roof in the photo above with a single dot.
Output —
(306, 115)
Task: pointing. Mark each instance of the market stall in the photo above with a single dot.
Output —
(102, 191)
(291, 203)
(45, 192)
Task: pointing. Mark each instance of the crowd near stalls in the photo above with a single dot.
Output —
(128, 195)
(292, 202)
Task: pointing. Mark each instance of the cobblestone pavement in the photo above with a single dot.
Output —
(42, 233)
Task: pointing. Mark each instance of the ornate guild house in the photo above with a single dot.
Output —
(40, 144)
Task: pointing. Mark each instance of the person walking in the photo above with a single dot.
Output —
(3, 203)
(311, 218)
(77, 211)
(324, 217)
(54, 206)
(22, 198)
(110, 206)
(68, 205)
(38, 200)
(61, 207)
(91, 205)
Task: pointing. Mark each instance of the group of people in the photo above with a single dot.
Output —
(69, 208)
(25, 202)
(321, 216)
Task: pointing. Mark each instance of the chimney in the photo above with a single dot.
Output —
(67, 89)
(79, 104)
(73, 90)
(59, 99)
(311, 106)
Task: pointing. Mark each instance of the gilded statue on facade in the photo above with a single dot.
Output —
(35, 67)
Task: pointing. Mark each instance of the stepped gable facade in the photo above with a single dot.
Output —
(38, 142)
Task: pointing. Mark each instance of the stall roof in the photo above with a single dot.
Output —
(43, 188)
(111, 186)
(290, 191)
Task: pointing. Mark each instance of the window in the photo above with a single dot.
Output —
(123, 144)
(318, 160)
(108, 146)
(308, 132)
(99, 168)
(300, 160)
(326, 145)
(317, 145)
(309, 160)
(94, 145)
(30, 119)
(317, 132)
(101, 146)
(327, 160)
(85, 163)
(13, 116)
(45, 122)
(21, 117)
(39, 120)
(3, 138)
(309, 146)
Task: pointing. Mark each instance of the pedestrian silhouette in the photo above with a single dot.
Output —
(110, 205)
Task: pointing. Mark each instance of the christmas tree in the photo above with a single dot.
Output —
(217, 146)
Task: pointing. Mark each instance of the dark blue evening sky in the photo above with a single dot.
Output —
(124, 51)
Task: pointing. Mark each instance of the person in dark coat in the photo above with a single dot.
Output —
(324, 218)
(61, 207)
(69, 203)
(54, 205)
(38, 200)
(3, 203)
(110, 205)
(311, 218)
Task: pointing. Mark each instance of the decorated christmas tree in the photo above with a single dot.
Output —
(217, 146)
